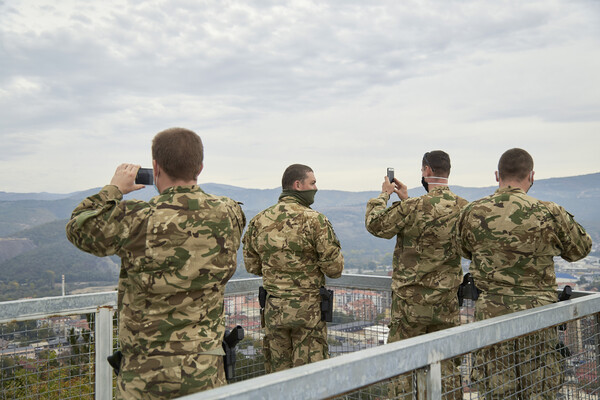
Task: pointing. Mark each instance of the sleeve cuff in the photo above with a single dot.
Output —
(385, 196)
(111, 192)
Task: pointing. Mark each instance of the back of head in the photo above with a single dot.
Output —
(515, 164)
(179, 152)
(438, 161)
(293, 173)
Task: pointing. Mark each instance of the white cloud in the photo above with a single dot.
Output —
(348, 86)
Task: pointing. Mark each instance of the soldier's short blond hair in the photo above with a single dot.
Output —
(179, 152)
(515, 164)
(293, 173)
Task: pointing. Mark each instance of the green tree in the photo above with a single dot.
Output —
(81, 349)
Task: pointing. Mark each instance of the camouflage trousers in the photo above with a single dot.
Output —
(528, 367)
(410, 320)
(165, 377)
(294, 333)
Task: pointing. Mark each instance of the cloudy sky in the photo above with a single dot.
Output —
(347, 87)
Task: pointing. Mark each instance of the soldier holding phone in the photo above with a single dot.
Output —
(177, 251)
(426, 267)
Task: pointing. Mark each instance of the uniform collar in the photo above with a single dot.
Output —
(290, 199)
(442, 188)
(182, 189)
(510, 189)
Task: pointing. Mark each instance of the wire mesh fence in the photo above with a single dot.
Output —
(560, 362)
(244, 310)
(50, 358)
(54, 357)
(360, 321)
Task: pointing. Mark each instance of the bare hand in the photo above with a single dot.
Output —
(388, 186)
(124, 178)
(401, 189)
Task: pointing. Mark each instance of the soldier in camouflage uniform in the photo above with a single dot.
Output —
(177, 252)
(426, 266)
(293, 248)
(511, 239)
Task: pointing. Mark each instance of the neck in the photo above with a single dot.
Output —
(524, 184)
(436, 181)
(169, 183)
(304, 197)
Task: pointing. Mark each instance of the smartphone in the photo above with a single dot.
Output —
(144, 176)
(390, 174)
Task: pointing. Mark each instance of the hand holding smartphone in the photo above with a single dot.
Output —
(390, 174)
(144, 176)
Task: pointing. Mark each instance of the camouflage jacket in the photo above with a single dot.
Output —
(177, 252)
(292, 247)
(511, 239)
(426, 265)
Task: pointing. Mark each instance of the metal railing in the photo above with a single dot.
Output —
(361, 315)
(57, 348)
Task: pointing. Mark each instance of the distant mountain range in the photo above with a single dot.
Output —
(34, 249)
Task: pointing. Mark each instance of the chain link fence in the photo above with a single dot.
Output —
(52, 354)
(48, 358)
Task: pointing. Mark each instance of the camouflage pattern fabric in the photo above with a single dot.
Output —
(426, 269)
(177, 253)
(293, 248)
(162, 376)
(410, 320)
(511, 239)
(426, 265)
(297, 322)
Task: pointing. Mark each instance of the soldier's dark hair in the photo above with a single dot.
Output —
(438, 161)
(179, 152)
(293, 173)
(515, 164)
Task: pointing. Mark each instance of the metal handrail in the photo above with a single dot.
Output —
(330, 377)
(27, 309)
(342, 374)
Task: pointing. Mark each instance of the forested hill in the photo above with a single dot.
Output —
(34, 252)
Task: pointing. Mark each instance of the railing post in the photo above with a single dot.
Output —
(429, 382)
(434, 381)
(597, 344)
(103, 339)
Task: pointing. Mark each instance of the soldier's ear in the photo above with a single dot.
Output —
(200, 170)
(497, 177)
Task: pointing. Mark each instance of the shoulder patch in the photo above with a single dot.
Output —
(193, 204)
(84, 216)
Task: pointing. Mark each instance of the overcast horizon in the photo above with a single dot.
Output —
(416, 187)
(346, 87)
